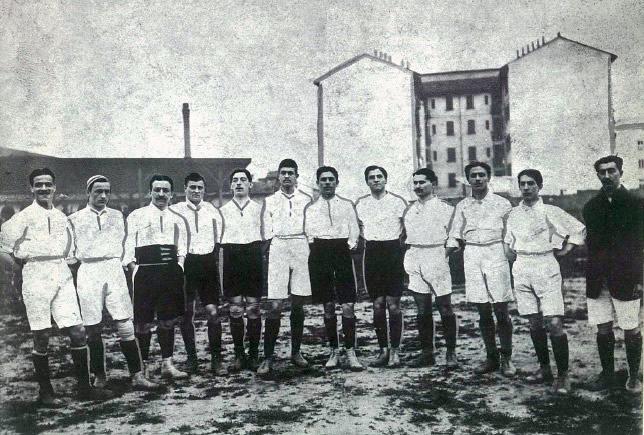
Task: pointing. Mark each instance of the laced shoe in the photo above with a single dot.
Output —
(601, 382)
(354, 364)
(633, 385)
(450, 359)
(394, 359)
(425, 359)
(169, 371)
(47, 399)
(192, 364)
(299, 361)
(140, 383)
(382, 360)
(217, 366)
(333, 361)
(238, 363)
(488, 366)
(507, 368)
(100, 381)
(542, 376)
(266, 366)
(92, 394)
(252, 363)
(562, 385)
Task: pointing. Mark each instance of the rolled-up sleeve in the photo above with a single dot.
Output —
(567, 226)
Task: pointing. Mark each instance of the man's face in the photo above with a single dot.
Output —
(287, 177)
(478, 178)
(99, 196)
(240, 184)
(423, 188)
(376, 181)
(327, 183)
(529, 188)
(195, 191)
(161, 194)
(609, 175)
(43, 189)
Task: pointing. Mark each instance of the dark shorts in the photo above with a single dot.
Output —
(383, 267)
(158, 289)
(243, 270)
(202, 277)
(331, 271)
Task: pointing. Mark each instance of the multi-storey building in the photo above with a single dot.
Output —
(549, 109)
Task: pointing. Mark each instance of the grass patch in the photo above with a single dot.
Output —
(143, 418)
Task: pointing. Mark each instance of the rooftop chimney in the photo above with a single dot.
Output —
(543, 39)
(517, 54)
(186, 130)
(532, 45)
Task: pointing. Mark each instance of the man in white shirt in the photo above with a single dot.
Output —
(201, 270)
(533, 231)
(479, 223)
(427, 224)
(155, 250)
(331, 226)
(99, 233)
(242, 236)
(380, 216)
(287, 263)
(40, 238)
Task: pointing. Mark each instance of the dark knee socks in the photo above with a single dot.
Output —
(560, 351)
(331, 326)
(271, 331)
(188, 334)
(237, 331)
(80, 357)
(606, 348)
(449, 328)
(540, 343)
(144, 344)
(633, 344)
(254, 332)
(97, 356)
(130, 350)
(349, 331)
(214, 337)
(488, 334)
(166, 341)
(426, 331)
(380, 325)
(504, 331)
(41, 366)
(297, 328)
(395, 329)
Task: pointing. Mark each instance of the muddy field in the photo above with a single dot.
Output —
(389, 401)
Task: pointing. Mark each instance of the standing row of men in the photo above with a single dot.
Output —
(172, 253)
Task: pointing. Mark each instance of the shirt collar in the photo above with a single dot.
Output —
(43, 209)
(535, 206)
(286, 195)
(93, 210)
(193, 207)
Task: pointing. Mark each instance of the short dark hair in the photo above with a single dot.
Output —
(322, 169)
(610, 159)
(532, 173)
(194, 176)
(373, 168)
(428, 173)
(287, 163)
(244, 170)
(475, 164)
(160, 177)
(38, 172)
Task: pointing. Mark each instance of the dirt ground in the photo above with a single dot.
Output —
(389, 401)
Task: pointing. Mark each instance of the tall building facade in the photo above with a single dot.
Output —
(549, 109)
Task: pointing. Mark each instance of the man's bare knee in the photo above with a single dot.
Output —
(329, 310)
(347, 310)
(41, 341)
(77, 335)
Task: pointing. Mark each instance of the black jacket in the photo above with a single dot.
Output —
(614, 240)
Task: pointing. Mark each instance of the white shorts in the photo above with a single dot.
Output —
(288, 260)
(102, 284)
(537, 285)
(428, 270)
(487, 274)
(48, 291)
(606, 309)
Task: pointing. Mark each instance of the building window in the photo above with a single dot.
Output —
(640, 145)
(641, 163)
(487, 101)
(449, 103)
(488, 152)
(471, 126)
(471, 153)
(451, 155)
(435, 155)
(469, 102)
(450, 128)
(487, 124)
(451, 180)
(433, 129)
(433, 103)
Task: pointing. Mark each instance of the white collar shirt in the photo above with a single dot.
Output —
(204, 225)
(540, 228)
(36, 232)
(150, 225)
(428, 223)
(242, 223)
(98, 234)
(481, 222)
(334, 218)
(381, 219)
(284, 214)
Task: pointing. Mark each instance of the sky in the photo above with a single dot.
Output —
(107, 79)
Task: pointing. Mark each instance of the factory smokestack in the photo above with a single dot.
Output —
(186, 130)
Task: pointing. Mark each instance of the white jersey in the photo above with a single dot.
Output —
(36, 232)
(480, 222)
(204, 225)
(284, 214)
(381, 219)
(97, 234)
(151, 226)
(242, 223)
(332, 219)
(428, 223)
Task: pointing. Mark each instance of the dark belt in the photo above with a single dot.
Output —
(155, 254)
